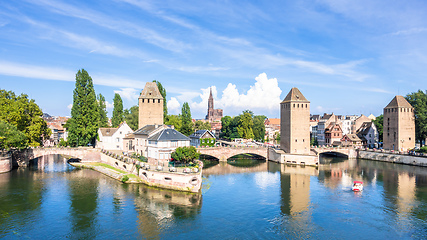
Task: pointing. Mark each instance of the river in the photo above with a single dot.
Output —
(248, 199)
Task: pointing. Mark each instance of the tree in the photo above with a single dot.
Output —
(245, 125)
(259, 127)
(11, 137)
(200, 125)
(185, 154)
(418, 100)
(131, 117)
(83, 124)
(163, 92)
(174, 120)
(225, 127)
(187, 121)
(379, 125)
(25, 115)
(118, 115)
(103, 119)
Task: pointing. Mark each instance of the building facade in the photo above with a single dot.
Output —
(295, 123)
(150, 104)
(399, 125)
(112, 138)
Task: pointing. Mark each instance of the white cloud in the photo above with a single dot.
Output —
(263, 96)
(109, 105)
(130, 94)
(173, 106)
(70, 106)
(59, 74)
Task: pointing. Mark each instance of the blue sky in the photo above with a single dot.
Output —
(346, 57)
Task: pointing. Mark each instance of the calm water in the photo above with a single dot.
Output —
(249, 200)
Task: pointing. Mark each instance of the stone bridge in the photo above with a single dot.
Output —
(224, 153)
(86, 154)
(350, 152)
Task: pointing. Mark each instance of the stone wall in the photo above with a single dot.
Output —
(5, 163)
(393, 158)
(190, 182)
(280, 156)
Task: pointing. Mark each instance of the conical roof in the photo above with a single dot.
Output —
(399, 101)
(151, 91)
(295, 96)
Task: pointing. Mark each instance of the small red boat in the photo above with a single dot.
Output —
(357, 186)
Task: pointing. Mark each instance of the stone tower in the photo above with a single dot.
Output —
(399, 125)
(150, 106)
(295, 123)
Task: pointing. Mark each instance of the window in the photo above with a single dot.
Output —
(294, 105)
(158, 101)
(142, 100)
(148, 100)
(306, 106)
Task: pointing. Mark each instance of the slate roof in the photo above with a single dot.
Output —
(399, 101)
(364, 129)
(295, 96)
(169, 135)
(146, 130)
(151, 91)
(200, 133)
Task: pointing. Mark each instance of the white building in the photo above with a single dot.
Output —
(156, 141)
(368, 130)
(112, 138)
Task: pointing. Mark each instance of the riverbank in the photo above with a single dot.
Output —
(108, 171)
(393, 158)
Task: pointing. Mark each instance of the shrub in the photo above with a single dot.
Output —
(125, 178)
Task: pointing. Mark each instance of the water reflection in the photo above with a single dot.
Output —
(84, 204)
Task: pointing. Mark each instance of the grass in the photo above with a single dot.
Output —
(106, 166)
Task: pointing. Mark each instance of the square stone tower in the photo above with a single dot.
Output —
(295, 123)
(150, 106)
(399, 125)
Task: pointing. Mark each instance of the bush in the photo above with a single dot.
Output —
(423, 149)
(125, 178)
(207, 142)
(185, 154)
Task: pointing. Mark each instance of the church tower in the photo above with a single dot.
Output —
(150, 106)
(295, 123)
(210, 114)
(399, 125)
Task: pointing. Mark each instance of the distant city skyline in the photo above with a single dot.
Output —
(346, 57)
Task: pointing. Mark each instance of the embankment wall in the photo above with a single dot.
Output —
(393, 158)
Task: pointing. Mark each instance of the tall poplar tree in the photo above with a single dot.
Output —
(83, 124)
(131, 116)
(118, 114)
(102, 110)
(187, 123)
(163, 92)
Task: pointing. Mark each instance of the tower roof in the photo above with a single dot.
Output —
(295, 96)
(399, 101)
(151, 91)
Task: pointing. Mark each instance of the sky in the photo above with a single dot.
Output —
(346, 57)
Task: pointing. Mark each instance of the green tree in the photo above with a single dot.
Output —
(131, 117)
(11, 137)
(225, 127)
(245, 125)
(118, 115)
(379, 125)
(200, 125)
(162, 91)
(259, 127)
(174, 120)
(103, 119)
(187, 121)
(25, 115)
(418, 100)
(185, 154)
(83, 124)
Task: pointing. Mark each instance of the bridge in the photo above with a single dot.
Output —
(224, 153)
(349, 152)
(86, 154)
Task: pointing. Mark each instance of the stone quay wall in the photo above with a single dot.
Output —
(5, 162)
(280, 156)
(188, 182)
(393, 158)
